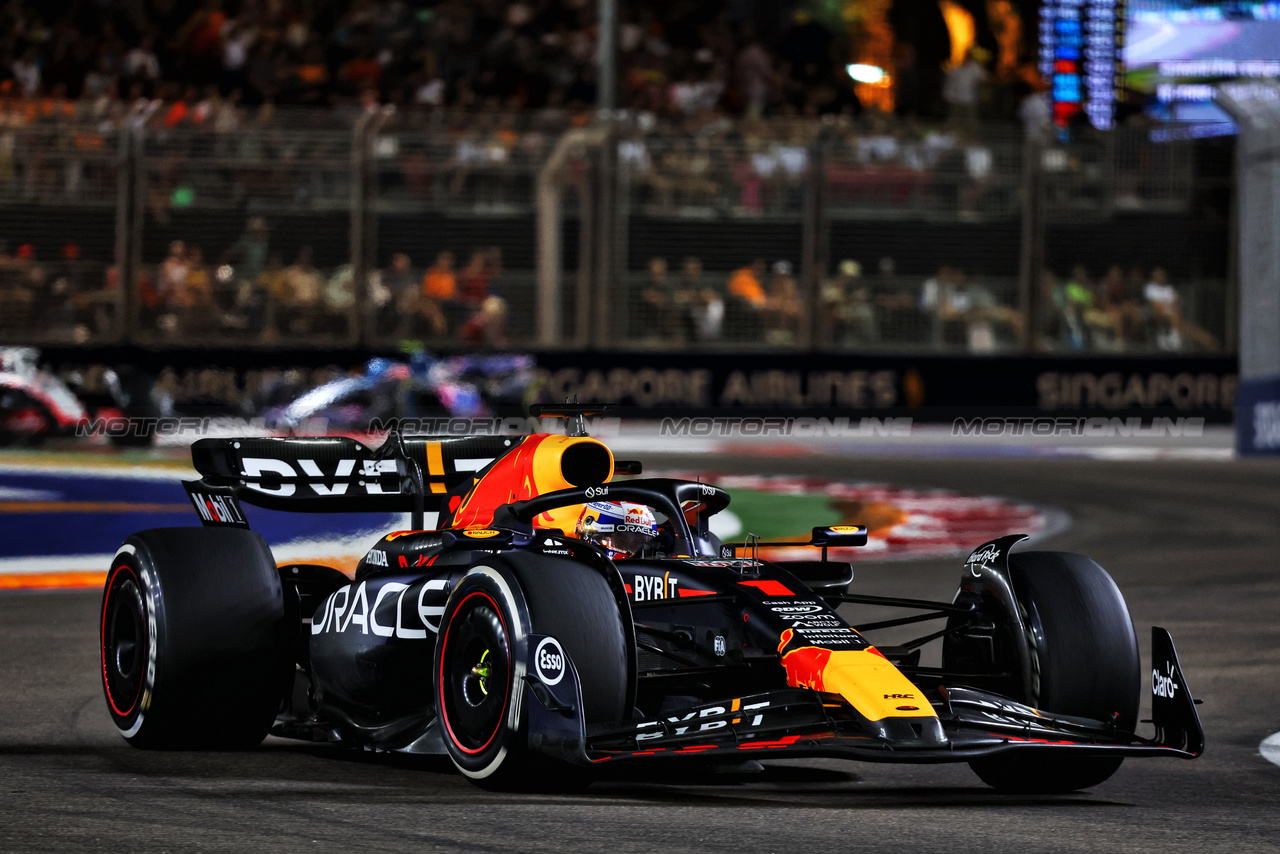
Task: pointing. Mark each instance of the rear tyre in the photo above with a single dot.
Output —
(1084, 655)
(194, 641)
(484, 635)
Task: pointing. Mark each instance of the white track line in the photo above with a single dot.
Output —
(1270, 748)
(55, 565)
(120, 472)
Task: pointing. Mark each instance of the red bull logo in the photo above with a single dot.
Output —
(865, 679)
(804, 665)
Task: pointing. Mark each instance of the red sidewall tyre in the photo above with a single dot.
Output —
(194, 638)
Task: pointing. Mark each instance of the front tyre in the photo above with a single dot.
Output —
(1084, 655)
(483, 652)
(194, 639)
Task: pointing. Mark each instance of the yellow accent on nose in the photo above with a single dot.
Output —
(873, 686)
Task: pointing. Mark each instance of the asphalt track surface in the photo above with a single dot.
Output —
(1195, 546)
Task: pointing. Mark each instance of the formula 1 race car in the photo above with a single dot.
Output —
(494, 632)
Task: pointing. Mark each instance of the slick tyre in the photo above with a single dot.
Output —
(1084, 655)
(483, 647)
(194, 639)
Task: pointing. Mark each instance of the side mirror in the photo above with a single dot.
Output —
(839, 536)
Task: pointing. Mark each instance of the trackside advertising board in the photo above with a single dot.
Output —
(764, 383)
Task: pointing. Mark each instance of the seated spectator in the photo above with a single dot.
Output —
(707, 315)
(692, 278)
(309, 79)
(744, 284)
(171, 277)
(1119, 303)
(439, 282)
(249, 253)
(783, 308)
(848, 316)
(1100, 327)
(488, 326)
(199, 313)
(440, 285)
(339, 300)
(688, 299)
(962, 88)
(965, 314)
(476, 278)
(21, 280)
(1172, 330)
(1055, 323)
(651, 309)
(303, 284)
(264, 300)
(391, 291)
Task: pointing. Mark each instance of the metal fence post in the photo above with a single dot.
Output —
(133, 312)
(605, 281)
(1031, 248)
(1231, 297)
(549, 236)
(814, 243)
(364, 217)
(359, 189)
(588, 251)
(125, 239)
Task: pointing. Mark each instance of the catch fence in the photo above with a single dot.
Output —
(300, 228)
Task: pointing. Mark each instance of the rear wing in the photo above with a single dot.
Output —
(336, 474)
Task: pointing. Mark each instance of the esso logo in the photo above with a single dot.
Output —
(548, 661)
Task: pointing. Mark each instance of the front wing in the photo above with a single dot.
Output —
(801, 722)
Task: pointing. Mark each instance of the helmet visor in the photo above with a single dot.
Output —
(628, 542)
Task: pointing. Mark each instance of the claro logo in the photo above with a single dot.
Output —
(1163, 684)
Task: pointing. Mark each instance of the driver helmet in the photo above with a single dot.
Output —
(621, 528)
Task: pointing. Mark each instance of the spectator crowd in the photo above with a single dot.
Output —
(724, 118)
(951, 310)
(676, 56)
(248, 294)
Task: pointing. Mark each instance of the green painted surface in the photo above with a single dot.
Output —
(774, 516)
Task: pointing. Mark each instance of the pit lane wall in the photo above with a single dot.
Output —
(651, 384)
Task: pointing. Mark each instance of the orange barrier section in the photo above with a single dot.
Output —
(52, 580)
